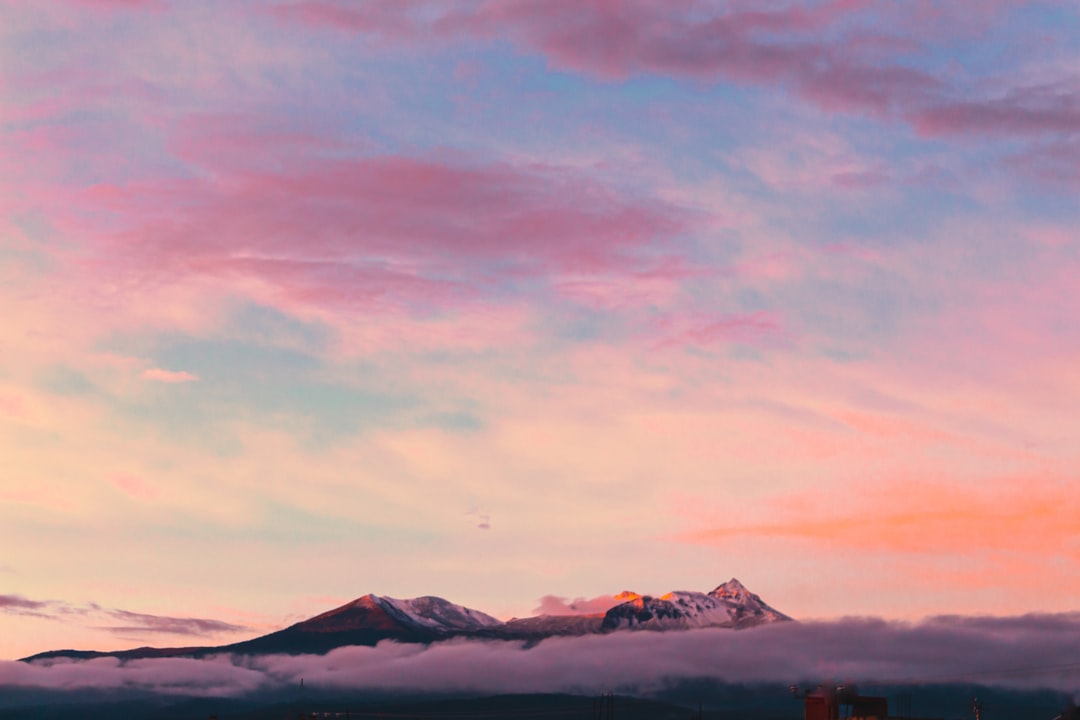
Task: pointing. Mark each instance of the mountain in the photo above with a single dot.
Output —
(364, 621)
(430, 615)
(728, 605)
(373, 618)
(368, 620)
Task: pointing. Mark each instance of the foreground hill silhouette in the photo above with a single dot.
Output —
(681, 701)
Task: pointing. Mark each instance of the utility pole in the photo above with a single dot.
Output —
(604, 709)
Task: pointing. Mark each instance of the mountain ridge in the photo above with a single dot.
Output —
(371, 619)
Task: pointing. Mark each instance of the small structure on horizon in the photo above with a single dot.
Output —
(841, 702)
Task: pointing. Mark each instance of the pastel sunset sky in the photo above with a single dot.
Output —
(499, 300)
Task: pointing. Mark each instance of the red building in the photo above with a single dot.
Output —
(830, 702)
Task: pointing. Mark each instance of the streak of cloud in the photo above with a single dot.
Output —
(18, 605)
(919, 517)
(168, 376)
(133, 623)
(143, 623)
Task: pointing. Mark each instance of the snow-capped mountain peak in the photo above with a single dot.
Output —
(731, 589)
(750, 608)
(428, 615)
(730, 605)
(435, 613)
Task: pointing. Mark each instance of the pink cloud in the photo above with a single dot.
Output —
(387, 232)
(229, 143)
(117, 4)
(832, 54)
(685, 38)
(134, 486)
(856, 180)
(700, 330)
(36, 497)
(1055, 165)
(658, 285)
(167, 376)
(1028, 515)
(390, 19)
(445, 246)
(140, 623)
(12, 405)
(1032, 110)
(556, 605)
(19, 604)
(959, 18)
(119, 622)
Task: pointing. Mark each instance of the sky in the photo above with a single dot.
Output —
(517, 302)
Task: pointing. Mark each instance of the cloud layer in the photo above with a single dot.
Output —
(1021, 652)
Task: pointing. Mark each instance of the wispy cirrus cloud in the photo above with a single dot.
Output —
(168, 376)
(132, 624)
(117, 4)
(1055, 165)
(383, 232)
(19, 605)
(690, 330)
(1033, 110)
(136, 624)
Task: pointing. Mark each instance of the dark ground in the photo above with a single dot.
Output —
(680, 702)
